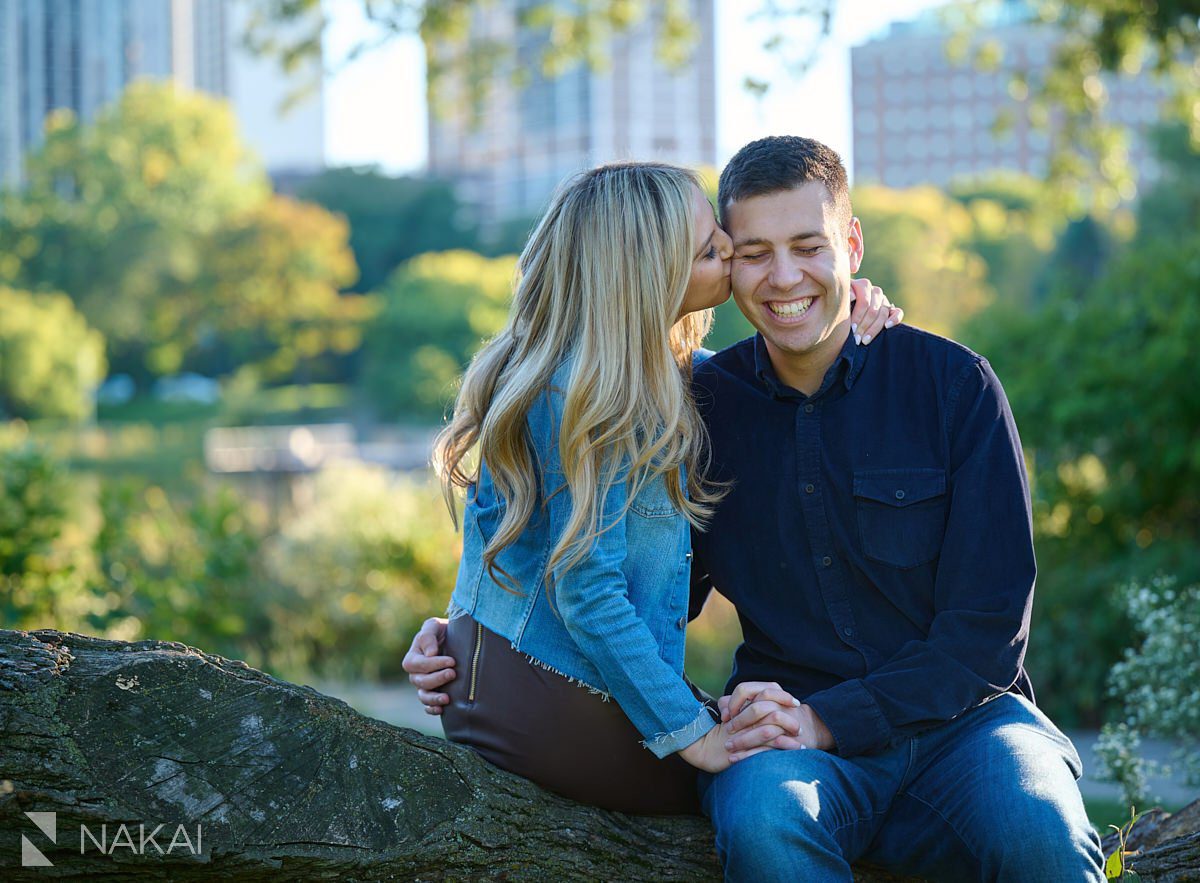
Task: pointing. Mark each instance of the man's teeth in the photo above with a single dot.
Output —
(794, 308)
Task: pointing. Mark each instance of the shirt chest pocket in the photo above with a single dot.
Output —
(901, 514)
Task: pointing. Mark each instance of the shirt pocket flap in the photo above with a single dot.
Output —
(899, 487)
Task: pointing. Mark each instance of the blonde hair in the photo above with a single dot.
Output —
(601, 281)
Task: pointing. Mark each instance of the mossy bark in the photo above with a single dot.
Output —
(283, 782)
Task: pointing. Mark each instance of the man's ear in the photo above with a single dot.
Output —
(855, 241)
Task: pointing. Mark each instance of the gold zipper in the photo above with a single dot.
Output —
(475, 660)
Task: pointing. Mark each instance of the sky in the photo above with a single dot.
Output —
(375, 106)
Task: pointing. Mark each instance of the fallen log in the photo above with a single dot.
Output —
(1165, 846)
(235, 774)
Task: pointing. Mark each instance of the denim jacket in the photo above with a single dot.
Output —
(617, 618)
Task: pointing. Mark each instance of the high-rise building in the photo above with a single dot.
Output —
(920, 118)
(80, 55)
(508, 157)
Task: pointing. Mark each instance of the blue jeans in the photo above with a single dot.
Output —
(991, 795)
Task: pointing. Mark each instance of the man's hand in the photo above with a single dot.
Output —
(758, 718)
(872, 311)
(426, 670)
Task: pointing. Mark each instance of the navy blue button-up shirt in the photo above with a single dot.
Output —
(876, 536)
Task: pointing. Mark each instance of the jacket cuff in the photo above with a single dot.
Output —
(853, 717)
(668, 743)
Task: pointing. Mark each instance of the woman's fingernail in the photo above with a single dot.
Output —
(728, 746)
(802, 747)
(795, 702)
(888, 324)
(866, 338)
(854, 326)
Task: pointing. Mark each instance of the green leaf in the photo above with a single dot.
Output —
(1114, 867)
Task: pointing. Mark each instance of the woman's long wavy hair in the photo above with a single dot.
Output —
(601, 280)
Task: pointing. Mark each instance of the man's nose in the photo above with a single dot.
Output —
(786, 274)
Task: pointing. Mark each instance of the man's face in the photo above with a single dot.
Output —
(792, 263)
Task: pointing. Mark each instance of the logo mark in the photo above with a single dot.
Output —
(31, 856)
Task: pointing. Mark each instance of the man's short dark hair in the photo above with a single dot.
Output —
(782, 162)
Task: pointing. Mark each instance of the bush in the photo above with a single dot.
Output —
(356, 571)
(182, 571)
(51, 361)
(44, 559)
(1156, 686)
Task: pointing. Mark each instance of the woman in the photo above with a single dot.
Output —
(582, 454)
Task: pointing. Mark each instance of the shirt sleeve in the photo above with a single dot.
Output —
(983, 589)
(592, 599)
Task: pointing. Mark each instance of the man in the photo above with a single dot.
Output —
(876, 542)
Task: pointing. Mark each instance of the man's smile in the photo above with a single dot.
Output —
(790, 310)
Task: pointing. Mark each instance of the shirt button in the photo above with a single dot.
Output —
(847, 632)
(682, 622)
(899, 495)
(809, 488)
(826, 561)
(808, 409)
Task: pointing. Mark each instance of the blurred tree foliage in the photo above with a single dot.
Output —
(50, 360)
(1102, 383)
(1094, 41)
(1013, 230)
(337, 588)
(274, 273)
(435, 312)
(915, 250)
(164, 233)
(391, 218)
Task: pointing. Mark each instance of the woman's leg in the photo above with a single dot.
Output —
(539, 725)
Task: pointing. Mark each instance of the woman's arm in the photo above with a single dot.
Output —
(592, 599)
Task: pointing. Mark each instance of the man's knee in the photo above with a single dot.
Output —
(767, 825)
(750, 808)
(1044, 831)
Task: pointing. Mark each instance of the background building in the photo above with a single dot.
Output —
(81, 55)
(508, 158)
(921, 119)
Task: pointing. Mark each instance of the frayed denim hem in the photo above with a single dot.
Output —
(663, 744)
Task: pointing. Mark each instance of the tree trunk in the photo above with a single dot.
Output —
(254, 778)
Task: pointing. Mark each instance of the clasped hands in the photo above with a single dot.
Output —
(757, 717)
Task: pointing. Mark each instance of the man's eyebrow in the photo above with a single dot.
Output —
(707, 243)
(808, 234)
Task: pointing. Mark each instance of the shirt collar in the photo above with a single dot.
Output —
(846, 367)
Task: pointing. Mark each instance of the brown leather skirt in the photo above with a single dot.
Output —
(539, 725)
